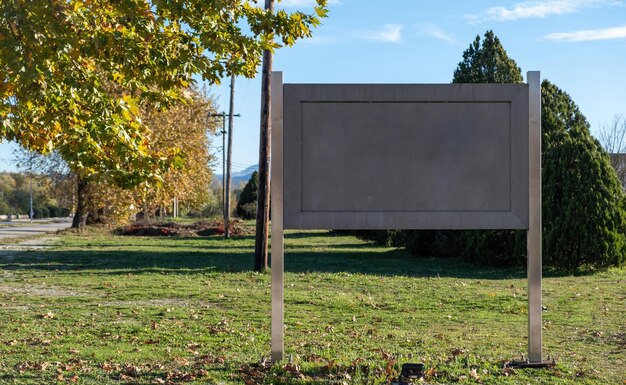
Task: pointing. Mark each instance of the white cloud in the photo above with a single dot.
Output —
(589, 34)
(536, 9)
(389, 33)
(431, 30)
(304, 3)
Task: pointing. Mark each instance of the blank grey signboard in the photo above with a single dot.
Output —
(379, 156)
(407, 156)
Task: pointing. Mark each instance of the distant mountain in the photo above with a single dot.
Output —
(239, 177)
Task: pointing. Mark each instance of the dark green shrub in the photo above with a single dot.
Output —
(55, 211)
(248, 195)
(4, 208)
(380, 237)
(434, 243)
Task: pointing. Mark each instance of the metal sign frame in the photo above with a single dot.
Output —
(444, 156)
(532, 222)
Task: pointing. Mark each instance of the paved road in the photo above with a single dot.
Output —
(21, 229)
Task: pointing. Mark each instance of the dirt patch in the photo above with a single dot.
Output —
(37, 243)
(161, 302)
(41, 291)
(172, 229)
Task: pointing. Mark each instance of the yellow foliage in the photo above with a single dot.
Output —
(183, 128)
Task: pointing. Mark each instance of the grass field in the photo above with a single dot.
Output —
(103, 309)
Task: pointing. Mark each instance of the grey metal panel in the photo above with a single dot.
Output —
(406, 156)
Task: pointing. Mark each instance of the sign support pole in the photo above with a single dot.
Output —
(277, 245)
(534, 228)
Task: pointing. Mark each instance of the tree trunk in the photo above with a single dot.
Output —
(229, 160)
(80, 217)
(263, 197)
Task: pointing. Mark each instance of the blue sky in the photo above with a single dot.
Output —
(580, 45)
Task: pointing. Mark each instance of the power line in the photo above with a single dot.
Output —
(244, 165)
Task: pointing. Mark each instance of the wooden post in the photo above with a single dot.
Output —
(263, 197)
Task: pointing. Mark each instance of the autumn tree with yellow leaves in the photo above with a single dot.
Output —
(58, 59)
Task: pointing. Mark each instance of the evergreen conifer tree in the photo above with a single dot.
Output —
(584, 217)
(486, 61)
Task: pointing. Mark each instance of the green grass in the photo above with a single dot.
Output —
(102, 309)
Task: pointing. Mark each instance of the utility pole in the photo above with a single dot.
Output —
(223, 132)
(229, 160)
(263, 197)
(223, 115)
(30, 210)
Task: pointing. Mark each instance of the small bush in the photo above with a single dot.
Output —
(4, 208)
(248, 211)
(54, 211)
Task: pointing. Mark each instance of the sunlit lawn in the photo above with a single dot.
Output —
(102, 309)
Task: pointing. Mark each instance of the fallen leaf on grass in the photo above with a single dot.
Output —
(34, 366)
(207, 360)
(48, 315)
(456, 352)
(182, 361)
(314, 358)
(508, 371)
(178, 376)
(108, 367)
(294, 369)
(390, 370)
(131, 370)
(124, 377)
(475, 375)
(193, 348)
(251, 375)
(330, 364)
(385, 355)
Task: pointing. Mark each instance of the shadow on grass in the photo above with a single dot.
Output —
(210, 257)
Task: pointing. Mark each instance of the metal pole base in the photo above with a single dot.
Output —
(526, 364)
